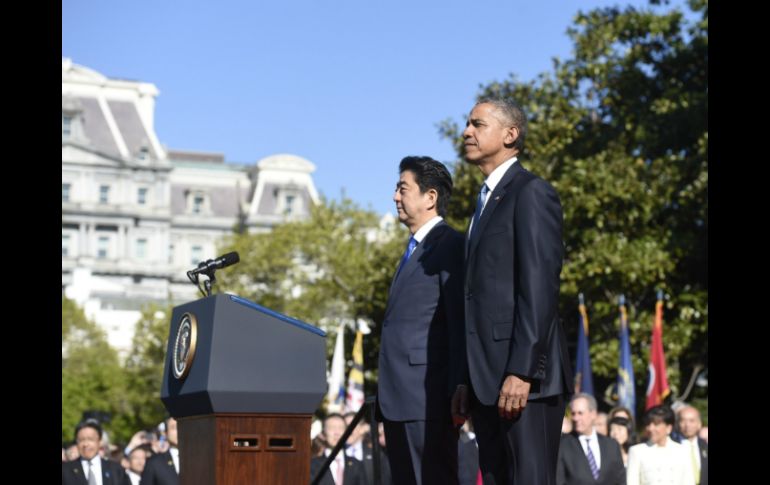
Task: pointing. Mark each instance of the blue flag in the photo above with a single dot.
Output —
(584, 379)
(625, 386)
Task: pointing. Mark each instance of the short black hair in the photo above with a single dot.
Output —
(88, 423)
(430, 174)
(657, 414)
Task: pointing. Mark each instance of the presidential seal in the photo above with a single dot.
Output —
(184, 345)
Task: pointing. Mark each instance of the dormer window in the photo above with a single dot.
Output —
(198, 202)
(144, 153)
(66, 126)
(288, 201)
(72, 120)
(288, 207)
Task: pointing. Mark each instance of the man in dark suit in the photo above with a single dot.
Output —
(91, 469)
(163, 468)
(423, 320)
(515, 346)
(344, 470)
(585, 456)
(690, 425)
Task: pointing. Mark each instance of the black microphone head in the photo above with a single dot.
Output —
(231, 258)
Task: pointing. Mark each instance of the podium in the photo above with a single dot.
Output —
(242, 382)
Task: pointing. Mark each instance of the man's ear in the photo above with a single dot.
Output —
(432, 196)
(511, 135)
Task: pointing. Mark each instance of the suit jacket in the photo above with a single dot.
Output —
(573, 468)
(353, 475)
(385, 475)
(112, 473)
(704, 462)
(421, 327)
(159, 470)
(513, 262)
(703, 447)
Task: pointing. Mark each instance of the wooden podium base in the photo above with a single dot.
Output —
(229, 449)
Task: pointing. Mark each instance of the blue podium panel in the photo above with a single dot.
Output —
(234, 356)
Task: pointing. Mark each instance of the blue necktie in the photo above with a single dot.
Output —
(592, 460)
(409, 248)
(479, 206)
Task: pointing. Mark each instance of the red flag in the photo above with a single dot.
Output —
(657, 387)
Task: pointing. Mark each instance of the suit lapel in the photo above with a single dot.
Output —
(501, 190)
(77, 470)
(603, 454)
(583, 457)
(421, 252)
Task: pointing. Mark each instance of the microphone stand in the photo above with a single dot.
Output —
(194, 278)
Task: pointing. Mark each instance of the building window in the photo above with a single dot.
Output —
(198, 201)
(288, 207)
(66, 126)
(65, 245)
(103, 247)
(144, 153)
(170, 253)
(196, 255)
(141, 248)
(104, 194)
(65, 192)
(141, 196)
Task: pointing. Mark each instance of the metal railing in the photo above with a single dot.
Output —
(367, 408)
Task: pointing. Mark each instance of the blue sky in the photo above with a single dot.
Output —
(351, 85)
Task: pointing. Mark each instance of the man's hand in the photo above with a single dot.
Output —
(460, 405)
(513, 397)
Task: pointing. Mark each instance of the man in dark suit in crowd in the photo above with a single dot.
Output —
(585, 456)
(517, 377)
(91, 469)
(689, 426)
(344, 470)
(423, 319)
(163, 468)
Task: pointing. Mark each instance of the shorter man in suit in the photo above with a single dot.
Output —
(690, 426)
(421, 328)
(344, 470)
(163, 468)
(137, 458)
(91, 469)
(585, 456)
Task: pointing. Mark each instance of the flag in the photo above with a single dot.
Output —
(584, 379)
(625, 384)
(355, 397)
(335, 396)
(657, 383)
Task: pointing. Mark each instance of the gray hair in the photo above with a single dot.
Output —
(510, 114)
(592, 406)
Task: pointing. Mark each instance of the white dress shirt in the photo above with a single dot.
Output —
(492, 180)
(96, 463)
(594, 444)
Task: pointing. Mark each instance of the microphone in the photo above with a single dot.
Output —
(211, 265)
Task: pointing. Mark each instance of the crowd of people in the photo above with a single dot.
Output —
(150, 458)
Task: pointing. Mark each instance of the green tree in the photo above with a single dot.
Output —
(621, 131)
(143, 372)
(334, 266)
(91, 376)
